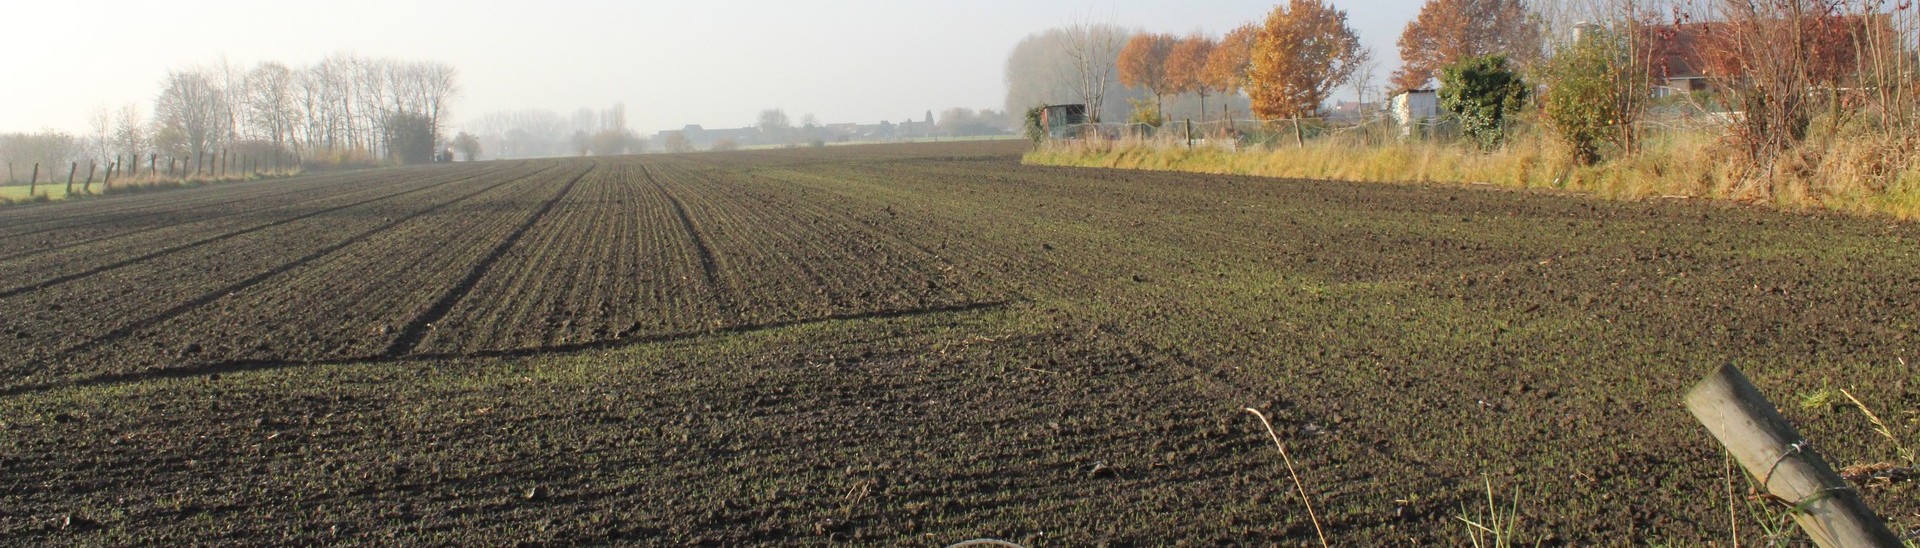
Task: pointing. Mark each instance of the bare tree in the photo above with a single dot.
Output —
(191, 112)
(437, 85)
(343, 107)
(270, 103)
(1362, 80)
(1092, 48)
(100, 132)
(130, 132)
(373, 87)
(231, 82)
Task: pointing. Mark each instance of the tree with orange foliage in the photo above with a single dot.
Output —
(1448, 31)
(1227, 65)
(1143, 64)
(1187, 68)
(1305, 50)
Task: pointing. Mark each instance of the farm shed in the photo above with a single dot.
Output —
(1413, 107)
(1061, 119)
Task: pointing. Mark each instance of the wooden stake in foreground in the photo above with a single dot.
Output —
(1825, 506)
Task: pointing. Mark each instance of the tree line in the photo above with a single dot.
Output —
(1286, 65)
(344, 109)
(539, 133)
(1776, 73)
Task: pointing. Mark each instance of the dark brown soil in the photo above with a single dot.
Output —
(917, 344)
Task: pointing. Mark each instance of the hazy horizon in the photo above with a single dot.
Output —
(716, 65)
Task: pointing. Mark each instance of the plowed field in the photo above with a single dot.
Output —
(917, 344)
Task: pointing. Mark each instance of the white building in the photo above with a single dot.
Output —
(1414, 107)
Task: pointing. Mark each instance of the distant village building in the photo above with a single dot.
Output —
(1350, 111)
(1682, 54)
(702, 139)
(1678, 66)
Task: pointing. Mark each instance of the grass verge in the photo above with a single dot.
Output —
(1833, 172)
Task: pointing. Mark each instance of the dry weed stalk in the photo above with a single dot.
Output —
(1302, 488)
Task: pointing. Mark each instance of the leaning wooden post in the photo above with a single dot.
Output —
(106, 184)
(34, 180)
(153, 160)
(90, 167)
(1299, 137)
(1826, 506)
(71, 169)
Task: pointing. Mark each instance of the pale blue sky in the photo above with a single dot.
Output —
(712, 63)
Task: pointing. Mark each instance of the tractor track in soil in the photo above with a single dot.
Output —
(709, 267)
(415, 330)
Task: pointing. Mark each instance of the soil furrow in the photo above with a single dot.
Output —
(127, 328)
(415, 330)
(862, 377)
(91, 212)
(132, 227)
(64, 278)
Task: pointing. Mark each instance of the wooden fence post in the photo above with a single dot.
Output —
(1299, 137)
(34, 180)
(1189, 132)
(91, 165)
(1826, 506)
(106, 184)
(71, 169)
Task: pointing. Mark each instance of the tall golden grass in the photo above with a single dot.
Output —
(1851, 171)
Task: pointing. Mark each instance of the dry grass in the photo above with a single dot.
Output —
(1300, 487)
(1842, 171)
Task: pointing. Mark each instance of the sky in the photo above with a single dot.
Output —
(715, 63)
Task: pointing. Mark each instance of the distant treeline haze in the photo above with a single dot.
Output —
(344, 109)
